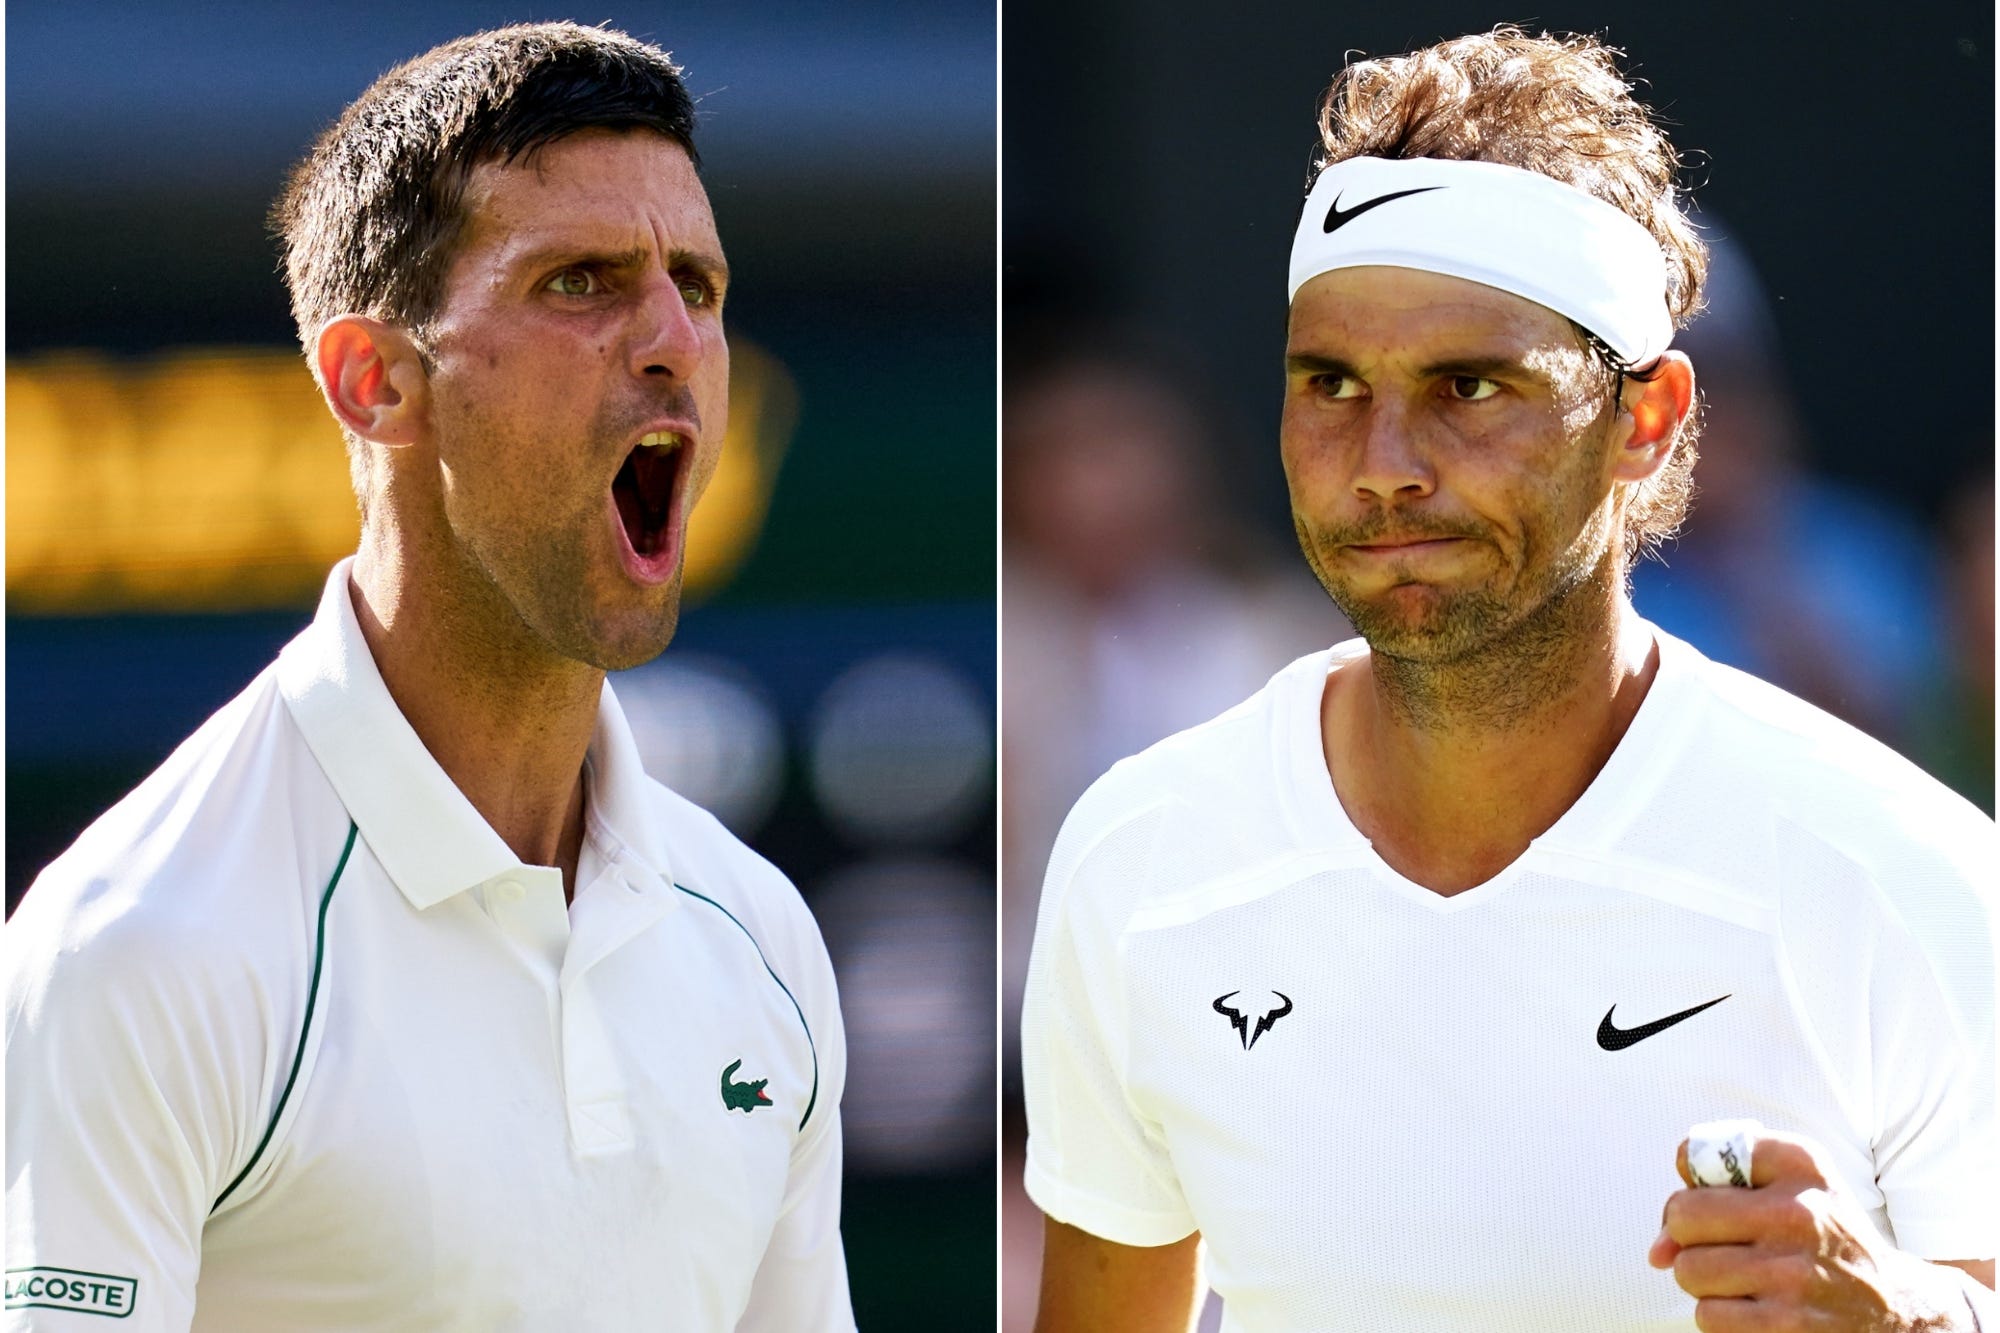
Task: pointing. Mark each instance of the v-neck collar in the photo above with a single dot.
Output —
(1589, 827)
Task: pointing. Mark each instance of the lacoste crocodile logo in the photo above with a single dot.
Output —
(744, 1097)
(1241, 1023)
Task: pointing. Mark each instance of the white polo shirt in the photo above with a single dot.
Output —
(295, 1042)
(1385, 1109)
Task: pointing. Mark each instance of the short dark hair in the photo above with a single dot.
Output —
(370, 221)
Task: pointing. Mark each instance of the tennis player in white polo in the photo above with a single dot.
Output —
(400, 997)
(1399, 984)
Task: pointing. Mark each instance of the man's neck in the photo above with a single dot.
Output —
(508, 722)
(1451, 770)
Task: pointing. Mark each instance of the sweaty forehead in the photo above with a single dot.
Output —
(596, 189)
(1390, 312)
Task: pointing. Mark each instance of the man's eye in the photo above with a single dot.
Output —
(1471, 388)
(696, 292)
(573, 282)
(1337, 386)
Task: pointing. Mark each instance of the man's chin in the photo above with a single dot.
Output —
(1422, 624)
(619, 628)
(624, 646)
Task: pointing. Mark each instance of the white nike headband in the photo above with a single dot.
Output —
(1519, 231)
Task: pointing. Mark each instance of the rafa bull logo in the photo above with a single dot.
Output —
(1241, 1022)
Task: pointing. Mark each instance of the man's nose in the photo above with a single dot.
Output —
(665, 340)
(1392, 464)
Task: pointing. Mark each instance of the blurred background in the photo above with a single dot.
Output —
(1155, 160)
(175, 491)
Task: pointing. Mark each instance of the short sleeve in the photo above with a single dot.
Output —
(1094, 1161)
(1935, 1043)
(124, 1111)
(801, 1282)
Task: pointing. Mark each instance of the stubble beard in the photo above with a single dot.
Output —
(1487, 657)
(548, 593)
(528, 596)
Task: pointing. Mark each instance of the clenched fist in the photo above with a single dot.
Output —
(1793, 1252)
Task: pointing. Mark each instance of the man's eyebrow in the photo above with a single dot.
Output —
(559, 253)
(710, 266)
(578, 252)
(1478, 367)
(1484, 367)
(1307, 363)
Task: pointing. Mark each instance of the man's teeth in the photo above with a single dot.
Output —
(661, 439)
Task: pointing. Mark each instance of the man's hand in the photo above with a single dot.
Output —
(1793, 1252)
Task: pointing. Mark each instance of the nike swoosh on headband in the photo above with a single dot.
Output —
(1336, 219)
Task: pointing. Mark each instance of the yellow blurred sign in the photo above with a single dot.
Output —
(214, 479)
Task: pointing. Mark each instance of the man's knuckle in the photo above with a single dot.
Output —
(1789, 1219)
(1795, 1158)
(1792, 1276)
(1715, 1314)
(1674, 1216)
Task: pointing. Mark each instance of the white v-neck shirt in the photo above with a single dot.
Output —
(1386, 1109)
(295, 1042)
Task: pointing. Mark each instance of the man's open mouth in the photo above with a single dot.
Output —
(644, 490)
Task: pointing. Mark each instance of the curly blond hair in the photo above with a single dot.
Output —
(1559, 106)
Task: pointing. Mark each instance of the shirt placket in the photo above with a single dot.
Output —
(608, 912)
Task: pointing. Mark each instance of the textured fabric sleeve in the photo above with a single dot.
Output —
(129, 1094)
(1094, 1161)
(801, 1282)
(1934, 1046)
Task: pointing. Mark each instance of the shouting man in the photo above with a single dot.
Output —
(400, 996)
(1399, 983)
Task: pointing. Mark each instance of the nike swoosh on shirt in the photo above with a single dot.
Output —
(1613, 1038)
(1335, 218)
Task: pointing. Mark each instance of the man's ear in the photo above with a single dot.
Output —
(374, 379)
(1655, 406)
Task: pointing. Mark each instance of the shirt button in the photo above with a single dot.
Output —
(510, 891)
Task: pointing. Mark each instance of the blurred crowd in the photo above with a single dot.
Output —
(1879, 614)
(1139, 600)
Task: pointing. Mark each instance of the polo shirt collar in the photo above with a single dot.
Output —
(619, 798)
(423, 830)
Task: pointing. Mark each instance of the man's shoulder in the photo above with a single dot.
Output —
(713, 864)
(203, 866)
(1205, 801)
(1830, 781)
(1212, 763)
